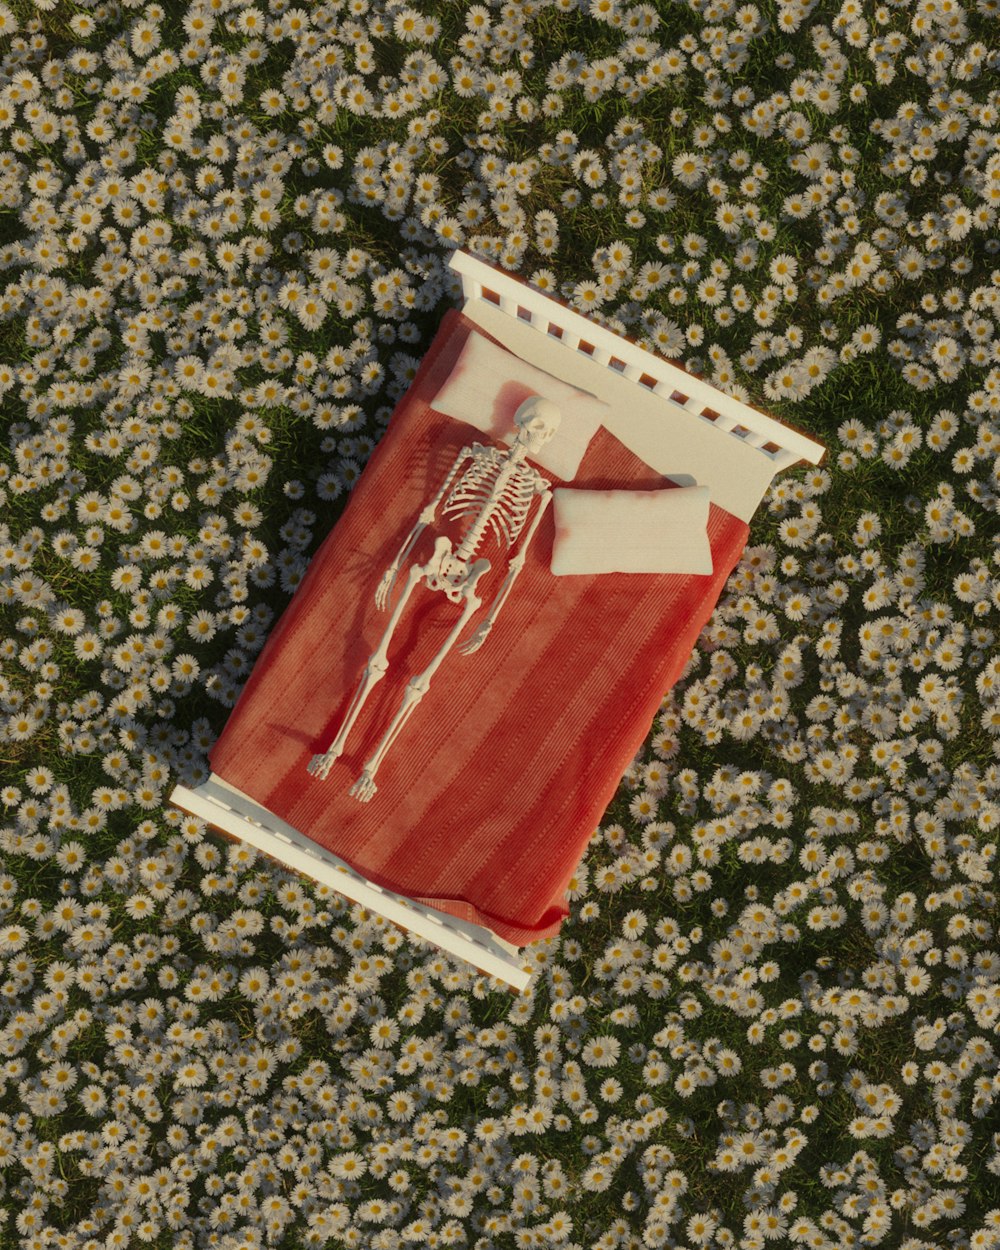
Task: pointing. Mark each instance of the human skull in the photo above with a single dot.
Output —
(537, 419)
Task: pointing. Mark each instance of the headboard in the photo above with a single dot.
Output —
(682, 426)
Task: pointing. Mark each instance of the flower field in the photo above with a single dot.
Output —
(772, 1018)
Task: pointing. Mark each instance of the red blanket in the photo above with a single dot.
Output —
(488, 798)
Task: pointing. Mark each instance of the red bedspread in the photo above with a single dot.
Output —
(490, 794)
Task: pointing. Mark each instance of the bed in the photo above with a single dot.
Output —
(494, 786)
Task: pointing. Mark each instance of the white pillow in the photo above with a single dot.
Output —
(631, 531)
(486, 386)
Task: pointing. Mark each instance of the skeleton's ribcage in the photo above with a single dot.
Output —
(470, 496)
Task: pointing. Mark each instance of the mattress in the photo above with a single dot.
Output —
(490, 794)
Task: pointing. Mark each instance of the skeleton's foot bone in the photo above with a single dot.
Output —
(364, 788)
(320, 765)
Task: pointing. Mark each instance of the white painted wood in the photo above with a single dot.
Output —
(229, 809)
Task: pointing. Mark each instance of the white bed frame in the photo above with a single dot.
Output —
(682, 426)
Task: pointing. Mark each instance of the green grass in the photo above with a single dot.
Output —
(868, 388)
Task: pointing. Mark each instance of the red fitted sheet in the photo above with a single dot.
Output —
(487, 799)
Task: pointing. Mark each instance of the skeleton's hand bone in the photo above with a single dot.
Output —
(385, 587)
(476, 640)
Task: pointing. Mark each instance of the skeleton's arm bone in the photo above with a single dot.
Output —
(517, 563)
(425, 518)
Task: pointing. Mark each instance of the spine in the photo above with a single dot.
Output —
(470, 543)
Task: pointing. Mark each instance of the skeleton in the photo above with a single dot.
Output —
(495, 491)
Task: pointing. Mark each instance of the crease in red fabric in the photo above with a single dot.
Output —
(489, 796)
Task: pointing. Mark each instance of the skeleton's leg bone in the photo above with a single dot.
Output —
(364, 788)
(374, 671)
